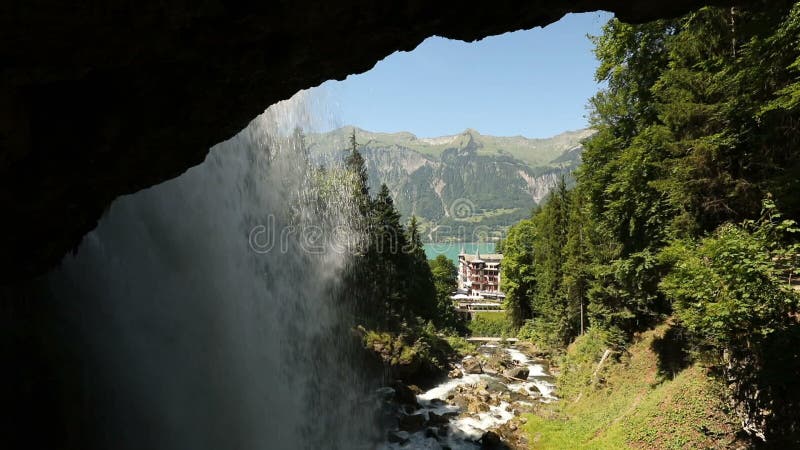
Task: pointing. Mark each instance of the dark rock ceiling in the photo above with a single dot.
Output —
(100, 100)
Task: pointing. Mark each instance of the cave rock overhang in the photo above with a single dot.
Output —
(101, 100)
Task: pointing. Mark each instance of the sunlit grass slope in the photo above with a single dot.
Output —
(630, 403)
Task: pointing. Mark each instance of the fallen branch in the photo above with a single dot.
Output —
(513, 378)
(606, 354)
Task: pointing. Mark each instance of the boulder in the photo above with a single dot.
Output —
(476, 406)
(494, 385)
(397, 437)
(436, 419)
(415, 389)
(497, 363)
(412, 423)
(404, 395)
(491, 440)
(472, 366)
(385, 393)
(519, 372)
(455, 373)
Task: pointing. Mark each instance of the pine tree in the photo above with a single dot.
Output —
(422, 293)
(355, 164)
(444, 274)
(552, 312)
(519, 276)
(577, 259)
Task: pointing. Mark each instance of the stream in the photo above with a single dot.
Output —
(457, 413)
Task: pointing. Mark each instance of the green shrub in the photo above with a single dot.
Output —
(415, 352)
(491, 324)
(726, 289)
(580, 362)
(526, 331)
(460, 345)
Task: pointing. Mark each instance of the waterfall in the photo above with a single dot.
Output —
(202, 312)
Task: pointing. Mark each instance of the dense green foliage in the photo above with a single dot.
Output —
(444, 279)
(491, 324)
(519, 279)
(398, 301)
(727, 288)
(413, 354)
(391, 283)
(675, 209)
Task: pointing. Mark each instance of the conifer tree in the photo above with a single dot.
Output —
(518, 279)
(422, 292)
(355, 164)
(444, 274)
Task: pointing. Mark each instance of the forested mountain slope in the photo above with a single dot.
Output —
(462, 184)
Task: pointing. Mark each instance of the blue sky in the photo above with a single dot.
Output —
(534, 83)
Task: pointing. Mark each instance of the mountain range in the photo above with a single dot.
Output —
(466, 186)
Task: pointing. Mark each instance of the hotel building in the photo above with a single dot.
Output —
(479, 275)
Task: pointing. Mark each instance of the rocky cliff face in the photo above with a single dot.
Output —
(763, 390)
(541, 185)
(99, 100)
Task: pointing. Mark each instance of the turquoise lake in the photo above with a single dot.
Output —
(452, 250)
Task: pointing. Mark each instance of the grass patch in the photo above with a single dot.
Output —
(490, 324)
(628, 404)
(461, 346)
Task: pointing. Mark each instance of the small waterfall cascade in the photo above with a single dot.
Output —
(203, 312)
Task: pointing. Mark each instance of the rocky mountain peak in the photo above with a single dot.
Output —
(499, 179)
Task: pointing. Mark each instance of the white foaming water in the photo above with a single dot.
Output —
(441, 390)
(201, 310)
(535, 370)
(463, 431)
(474, 427)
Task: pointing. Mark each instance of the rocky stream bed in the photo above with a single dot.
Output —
(479, 406)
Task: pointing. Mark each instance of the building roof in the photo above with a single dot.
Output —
(483, 258)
